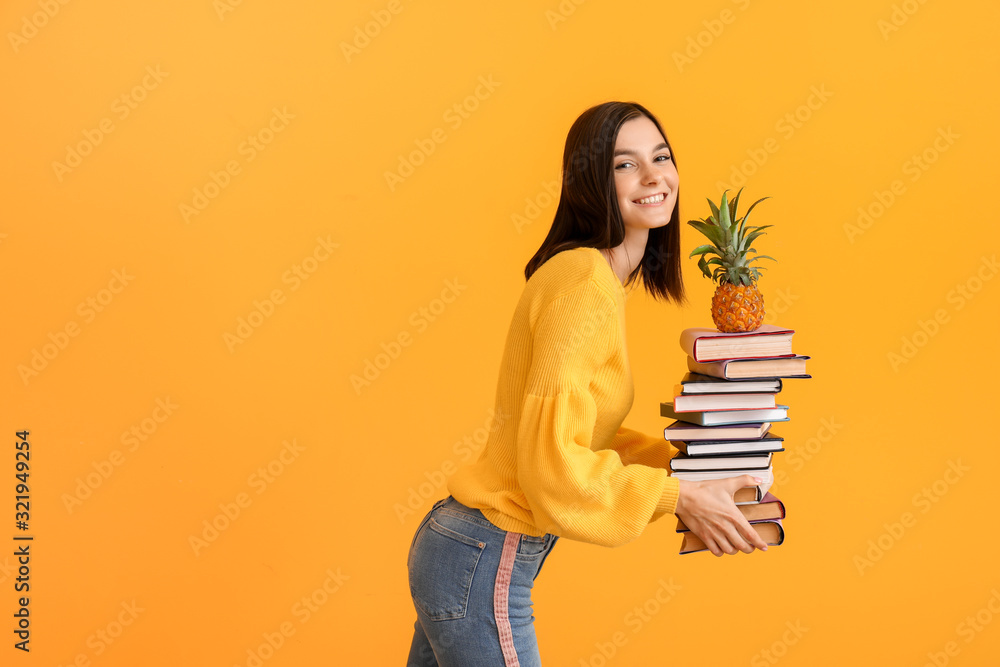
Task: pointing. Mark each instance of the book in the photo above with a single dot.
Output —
(704, 344)
(683, 462)
(687, 432)
(778, 413)
(714, 402)
(767, 509)
(696, 383)
(749, 494)
(766, 475)
(735, 369)
(771, 442)
(770, 531)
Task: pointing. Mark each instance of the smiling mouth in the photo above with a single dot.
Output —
(653, 199)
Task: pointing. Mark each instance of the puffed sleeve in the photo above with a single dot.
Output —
(572, 490)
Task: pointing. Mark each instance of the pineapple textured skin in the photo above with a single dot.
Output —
(737, 308)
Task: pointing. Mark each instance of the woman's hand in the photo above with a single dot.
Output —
(707, 508)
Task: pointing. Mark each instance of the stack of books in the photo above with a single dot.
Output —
(723, 410)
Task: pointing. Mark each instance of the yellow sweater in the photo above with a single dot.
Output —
(558, 460)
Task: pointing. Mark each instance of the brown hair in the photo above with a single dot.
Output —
(588, 214)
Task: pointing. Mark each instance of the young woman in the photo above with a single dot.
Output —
(558, 463)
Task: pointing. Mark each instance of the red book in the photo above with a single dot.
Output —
(703, 344)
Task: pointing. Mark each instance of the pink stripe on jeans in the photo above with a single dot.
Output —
(501, 591)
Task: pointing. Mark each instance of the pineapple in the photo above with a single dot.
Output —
(737, 304)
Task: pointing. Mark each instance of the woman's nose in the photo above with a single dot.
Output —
(650, 174)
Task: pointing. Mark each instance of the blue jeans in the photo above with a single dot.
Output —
(471, 586)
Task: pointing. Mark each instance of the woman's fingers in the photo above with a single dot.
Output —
(722, 536)
(750, 539)
(737, 483)
(708, 509)
(737, 542)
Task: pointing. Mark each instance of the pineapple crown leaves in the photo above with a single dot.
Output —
(732, 242)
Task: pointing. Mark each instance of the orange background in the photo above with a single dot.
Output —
(823, 107)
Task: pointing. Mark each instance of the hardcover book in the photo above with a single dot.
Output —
(735, 369)
(749, 494)
(768, 509)
(770, 531)
(726, 417)
(714, 402)
(696, 383)
(687, 432)
(683, 462)
(771, 442)
(704, 344)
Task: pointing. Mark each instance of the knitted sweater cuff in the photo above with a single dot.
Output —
(668, 501)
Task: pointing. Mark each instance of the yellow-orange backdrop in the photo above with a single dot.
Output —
(259, 260)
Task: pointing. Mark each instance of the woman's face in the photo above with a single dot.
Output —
(645, 176)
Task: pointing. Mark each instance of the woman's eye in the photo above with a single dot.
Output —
(658, 158)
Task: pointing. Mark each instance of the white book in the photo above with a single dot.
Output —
(714, 402)
(685, 463)
(767, 477)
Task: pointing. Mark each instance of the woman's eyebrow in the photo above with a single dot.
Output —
(629, 151)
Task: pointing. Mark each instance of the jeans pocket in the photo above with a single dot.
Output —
(427, 516)
(442, 564)
(531, 547)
